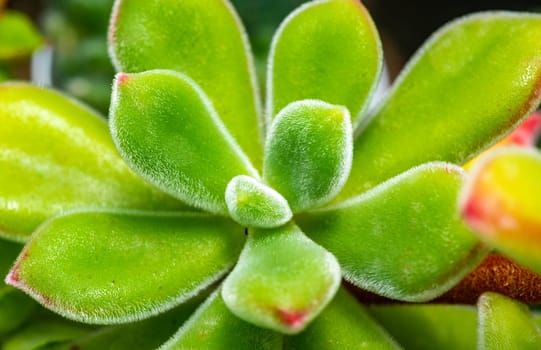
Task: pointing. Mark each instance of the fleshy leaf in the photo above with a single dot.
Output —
(44, 334)
(344, 324)
(468, 86)
(327, 50)
(56, 155)
(167, 129)
(115, 267)
(282, 280)
(506, 324)
(428, 327)
(147, 334)
(213, 326)
(403, 239)
(253, 204)
(18, 36)
(502, 201)
(203, 39)
(308, 153)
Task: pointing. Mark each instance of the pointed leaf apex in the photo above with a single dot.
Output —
(121, 78)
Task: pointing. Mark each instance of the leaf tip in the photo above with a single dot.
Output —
(122, 78)
(13, 278)
(294, 320)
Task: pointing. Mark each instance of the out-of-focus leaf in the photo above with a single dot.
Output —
(469, 85)
(18, 36)
(213, 326)
(344, 324)
(148, 334)
(167, 130)
(203, 39)
(41, 334)
(253, 204)
(282, 280)
(15, 308)
(308, 153)
(327, 50)
(506, 324)
(428, 327)
(56, 155)
(403, 239)
(502, 201)
(115, 267)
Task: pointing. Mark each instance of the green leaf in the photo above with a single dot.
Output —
(55, 155)
(253, 204)
(41, 334)
(115, 267)
(506, 324)
(203, 39)
(327, 50)
(428, 327)
(167, 129)
(308, 153)
(403, 239)
(213, 326)
(18, 36)
(344, 324)
(502, 202)
(148, 334)
(282, 280)
(468, 86)
(15, 308)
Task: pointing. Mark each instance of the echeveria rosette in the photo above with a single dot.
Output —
(186, 118)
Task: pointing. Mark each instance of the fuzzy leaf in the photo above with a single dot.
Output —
(56, 155)
(327, 50)
(44, 334)
(308, 153)
(344, 324)
(115, 267)
(428, 327)
(148, 334)
(203, 39)
(502, 201)
(167, 130)
(282, 280)
(18, 36)
(469, 85)
(253, 204)
(213, 326)
(403, 239)
(506, 324)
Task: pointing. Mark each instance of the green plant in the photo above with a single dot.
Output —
(331, 190)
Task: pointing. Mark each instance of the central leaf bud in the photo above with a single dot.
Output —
(254, 204)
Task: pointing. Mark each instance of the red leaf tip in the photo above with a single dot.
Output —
(292, 318)
(121, 78)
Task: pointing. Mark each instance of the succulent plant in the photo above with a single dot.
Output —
(196, 193)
